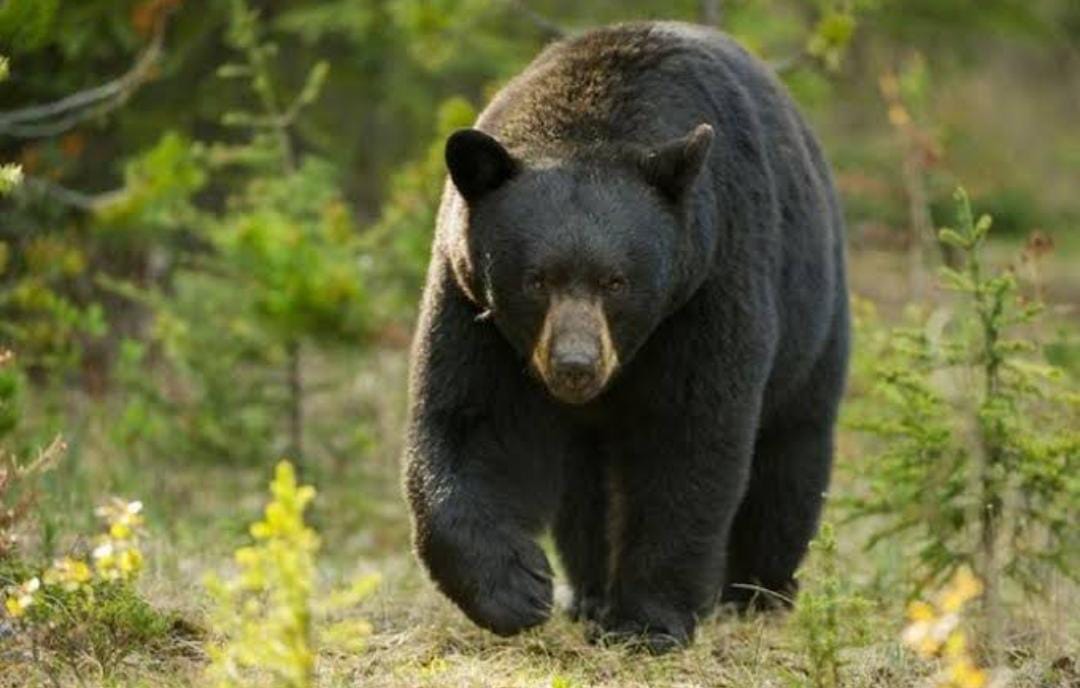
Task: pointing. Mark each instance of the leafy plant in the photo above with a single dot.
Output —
(275, 272)
(829, 616)
(979, 448)
(18, 478)
(10, 177)
(82, 614)
(397, 247)
(269, 615)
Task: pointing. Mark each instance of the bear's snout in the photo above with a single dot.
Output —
(574, 355)
(575, 363)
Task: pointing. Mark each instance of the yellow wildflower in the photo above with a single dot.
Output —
(119, 531)
(935, 631)
(22, 598)
(963, 673)
(129, 562)
(70, 574)
(123, 518)
(956, 645)
(116, 560)
(965, 587)
(898, 115)
(921, 611)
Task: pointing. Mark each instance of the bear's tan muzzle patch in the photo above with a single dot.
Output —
(574, 354)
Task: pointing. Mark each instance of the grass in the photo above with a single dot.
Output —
(197, 514)
(421, 640)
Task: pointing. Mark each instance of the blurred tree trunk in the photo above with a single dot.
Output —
(922, 226)
(711, 12)
(296, 403)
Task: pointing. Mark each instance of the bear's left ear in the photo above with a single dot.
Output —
(673, 166)
(478, 164)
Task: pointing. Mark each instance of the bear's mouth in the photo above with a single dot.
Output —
(575, 393)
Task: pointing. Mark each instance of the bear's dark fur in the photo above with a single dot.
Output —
(634, 331)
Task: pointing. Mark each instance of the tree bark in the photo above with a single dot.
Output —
(711, 12)
(296, 402)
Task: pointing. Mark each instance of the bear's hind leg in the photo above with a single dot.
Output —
(779, 514)
(580, 533)
(789, 476)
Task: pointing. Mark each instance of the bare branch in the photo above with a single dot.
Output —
(52, 119)
(77, 200)
(789, 64)
(547, 27)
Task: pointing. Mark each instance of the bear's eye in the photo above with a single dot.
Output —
(535, 283)
(615, 284)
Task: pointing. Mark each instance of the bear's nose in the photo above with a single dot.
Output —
(575, 361)
(575, 370)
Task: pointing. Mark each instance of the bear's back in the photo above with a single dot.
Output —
(627, 83)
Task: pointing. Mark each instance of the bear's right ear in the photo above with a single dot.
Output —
(673, 166)
(478, 164)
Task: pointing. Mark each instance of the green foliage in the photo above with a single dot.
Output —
(25, 24)
(10, 177)
(19, 478)
(101, 624)
(286, 237)
(156, 197)
(265, 614)
(278, 270)
(41, 314)
(290, 242)
(11, 386)
(270, 617)
(1027, 422)
(977, 434)
(911, 420)
(831, 37)
(1015, 210)
(398, 245)
(79, 616)
(829, 616)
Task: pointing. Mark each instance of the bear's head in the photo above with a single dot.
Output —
(577, 259)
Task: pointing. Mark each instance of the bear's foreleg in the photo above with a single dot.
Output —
(678, 483)
(580, 531)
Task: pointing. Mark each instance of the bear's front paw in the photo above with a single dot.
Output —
(516, 593)
(658, 631)
(502, 582)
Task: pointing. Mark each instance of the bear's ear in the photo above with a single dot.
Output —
(673, 166)
(478, 164)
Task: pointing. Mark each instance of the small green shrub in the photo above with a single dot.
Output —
(1015, 210)
(270, 617)
(19, 478)
(10, 177)
(84, 616)
(977, 437)
(277, 274)
(829, 616)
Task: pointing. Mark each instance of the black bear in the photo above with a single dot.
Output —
(635, 332)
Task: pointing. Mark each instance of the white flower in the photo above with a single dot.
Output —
(104, 550)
